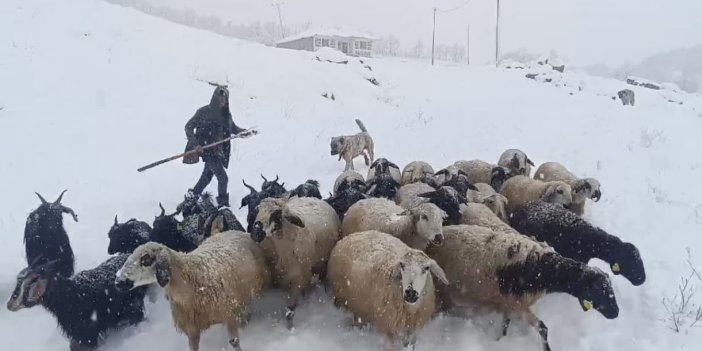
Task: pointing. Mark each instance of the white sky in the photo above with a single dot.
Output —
(584, 31)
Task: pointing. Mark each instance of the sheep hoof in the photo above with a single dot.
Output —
(235, 344)
(289, 315)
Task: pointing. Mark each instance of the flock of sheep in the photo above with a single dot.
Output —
(395, 248)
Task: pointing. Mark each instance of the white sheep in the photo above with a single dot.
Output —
(517, 161)
(213, 284)
(479, 171)
(521, 189)
(582, 188)
(407, 196)
(297, 236)
(417, 227)
(349, 179)
(510, 273)
(384, 282)
(416, 171)
(487, 196)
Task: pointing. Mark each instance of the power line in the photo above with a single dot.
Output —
(280, 18)
(454, 8)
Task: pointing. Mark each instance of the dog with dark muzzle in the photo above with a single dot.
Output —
(349, 147)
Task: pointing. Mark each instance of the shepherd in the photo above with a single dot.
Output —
(212, 123)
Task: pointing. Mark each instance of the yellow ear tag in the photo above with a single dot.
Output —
(615, 268)
(587, 305)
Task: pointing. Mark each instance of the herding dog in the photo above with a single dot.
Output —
(349, 147)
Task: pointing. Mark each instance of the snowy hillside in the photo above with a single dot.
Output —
(91, 91)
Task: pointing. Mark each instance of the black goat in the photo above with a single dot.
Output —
(45, 238)
(86, 305)
(573, 237)
(254, 198)
(167, 230)
(344, 199)
(127, 236)
(310, 188)
(272, 188)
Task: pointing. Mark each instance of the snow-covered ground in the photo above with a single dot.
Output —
(91, 91)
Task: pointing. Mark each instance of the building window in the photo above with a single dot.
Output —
(318, 42)
(332, 43)
(325, 42)
(355, 45)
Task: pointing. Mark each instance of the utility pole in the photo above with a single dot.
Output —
(468, 44)
(280, 18)
(433, 36)
(497, 35)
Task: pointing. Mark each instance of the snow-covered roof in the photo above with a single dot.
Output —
(332, 31)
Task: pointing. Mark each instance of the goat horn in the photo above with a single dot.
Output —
(58, 201)
(69, 211)
(116, 220)
(43, 201)
(276, 178)
(163, 210)
(264, 178)
(252, 189)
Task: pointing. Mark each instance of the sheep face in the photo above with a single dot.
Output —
(127, 236)
(595, 291)
(429, 221)
(29, 290)
(382, 166)
(558, 193)
(498, 176)
(588, 188)
(269, 221)
(497, 203)
(309, 189)
(413, 272)
(148, 264)
(627, 262)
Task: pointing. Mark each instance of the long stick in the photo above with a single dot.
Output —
(152, 165)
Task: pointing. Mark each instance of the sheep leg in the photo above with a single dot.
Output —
(194, 341)
(389, 343)
(292, 298)
(505, 325)
(349, 163)
(78, 346)
(233, 329)
(409, 341)
(541, 328)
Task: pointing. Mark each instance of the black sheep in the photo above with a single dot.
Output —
(344, 199)
(223, 220)
(573, 237)
(384, 186)
(449, 200)
(45, 238)
(86, 305)
(310, 188)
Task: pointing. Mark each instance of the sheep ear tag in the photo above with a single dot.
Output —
(586, 304)
(615, 268)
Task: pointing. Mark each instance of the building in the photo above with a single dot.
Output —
(349, 41)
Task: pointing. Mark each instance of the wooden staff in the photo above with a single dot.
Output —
(191, 152)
